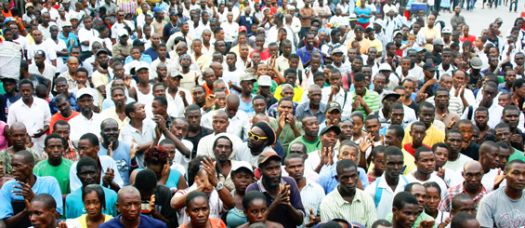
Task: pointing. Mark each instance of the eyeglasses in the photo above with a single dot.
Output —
(256, 137)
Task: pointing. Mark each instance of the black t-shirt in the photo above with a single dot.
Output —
(472, 151)
(195, 139)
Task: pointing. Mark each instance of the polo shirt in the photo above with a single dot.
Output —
(145, 222)
(47, 185)
(310, 146)
(372, 99)
(280, 212)
(360, 210)
(75, 204)
(60, 172)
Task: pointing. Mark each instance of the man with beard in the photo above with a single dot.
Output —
(456, 159)
(311, 193)
(55, 166)
(33, 112)
(261, 138)
(347, 201)
(281, 192)
(89, 174)
(16, 194)
(481, 118)
(434, 129)
(195, 131)
(115, 148)
(504, 207)
(311, 138)
(223, 153)
(390, 183)
(88, 121)
(442, 99)
(140, 133)
(472, 174)
(425, 162)
(117, 112)
(129, 206)
(312, 107)
(405, 210)
(41, 67)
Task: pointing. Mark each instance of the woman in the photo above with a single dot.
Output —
(198, 208)
(256, 209)
(94, 201)
(359, 134)
(242, 176)
(431, 205)
(156, 159)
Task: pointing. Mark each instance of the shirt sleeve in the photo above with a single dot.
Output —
(74, 182)
(54, 190)
(6, 209)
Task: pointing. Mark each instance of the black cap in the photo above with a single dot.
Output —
(138, 42)
(331, 128)
(102, 51)
(429, 67)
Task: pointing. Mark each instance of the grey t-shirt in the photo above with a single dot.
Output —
(498, 210)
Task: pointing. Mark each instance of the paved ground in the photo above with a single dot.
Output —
(479, 19)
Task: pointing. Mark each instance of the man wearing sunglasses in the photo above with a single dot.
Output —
(261, 137)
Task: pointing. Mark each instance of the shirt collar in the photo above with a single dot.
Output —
(340, 201)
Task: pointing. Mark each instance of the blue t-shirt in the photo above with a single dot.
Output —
(327, 178)
(75, 205)
(145, 222)
(47, 185)
(366, 11)
(121, 157)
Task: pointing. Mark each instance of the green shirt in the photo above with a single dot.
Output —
(422, 217)
(517, 155)
(287, 134)
(310, 146)
(60, 172)
(372, 99)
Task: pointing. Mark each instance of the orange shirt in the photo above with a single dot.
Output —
(58, 117)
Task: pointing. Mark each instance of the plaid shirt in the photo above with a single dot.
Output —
(71, 153)
(446, 203)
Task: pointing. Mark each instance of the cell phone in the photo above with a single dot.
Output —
(144, 207)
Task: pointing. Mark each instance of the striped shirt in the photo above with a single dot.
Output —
(361, 209)
(372, 99)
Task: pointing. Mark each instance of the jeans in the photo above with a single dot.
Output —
(513, 3)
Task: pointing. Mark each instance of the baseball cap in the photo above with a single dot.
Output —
(264, 80)
(239, 165)
(476, 63)
(141, 66)
(438, 41)
(85, 91)
(385, 67)
(138, 42)
(337, 50)
(331, 128)
(102, 51)
(66, 24)
(429, 67)
(267, 155)
(248, 77)
(388, 94)
(29, 4)
(446, 30)
(333, 106)
(176, 74)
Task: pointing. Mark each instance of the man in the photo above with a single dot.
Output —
(489, 160)
(417, 132)
(312, 107)
(33, 112)
(18, 139)
(390, 183)
(115, 148)
(70, 75)
(220, 123)
(434, 129)
(25, 185)
(88, 146)
(238, 118)
(159, 208)
(472, 174)
(62, 88)
(364, 100)
(456, 159)
(511, 115)
(281, 192)
(311, 137)
(129, 205)
(287, 128)
(139, 133)
(117, 112)
(347, 200)
(195, 131)
(55, 166)
(419, 192)
(178, 97)
(290, 78)
(425, 162)
(504, 207)
(323, 158)
(442, 99)
(88, 121)
(43, 211)
(41, 67)
(89, 174)
(503, 134)
(261, 138)
(311, 193)
(464, 220)
(405, 210)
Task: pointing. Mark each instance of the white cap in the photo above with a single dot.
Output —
(140, 66)
(85, 91)
(265, 80)
(385, 66)
(241, 164)
(446, 30)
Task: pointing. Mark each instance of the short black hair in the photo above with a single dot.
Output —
(96, 189)
(86, 162)
(439, 145)
(26, 82)
(55, 136)
(381, 222)
(393, 151)
(47, 199)
(433, 184)
(61, 123)
(146, 180)
(193, 195)
(251, 196)
(403, 198)
(409, 187)
(420, 150)
(92, 138)
(344, 164)
(460, 218)
(130, 107)
(399, 132)
(162, 100)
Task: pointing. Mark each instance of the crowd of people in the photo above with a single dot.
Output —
(273, 113)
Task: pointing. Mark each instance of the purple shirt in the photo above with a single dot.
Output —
(281, 212)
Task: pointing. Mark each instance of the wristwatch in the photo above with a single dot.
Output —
(219, 186)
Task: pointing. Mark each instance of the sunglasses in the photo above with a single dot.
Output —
(256, 137)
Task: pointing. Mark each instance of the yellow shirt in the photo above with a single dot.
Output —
(408, 160)
(434, 135)
(297, 93)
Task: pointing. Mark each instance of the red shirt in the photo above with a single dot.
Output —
(265, 54)
(408, 147)
(470, 38)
